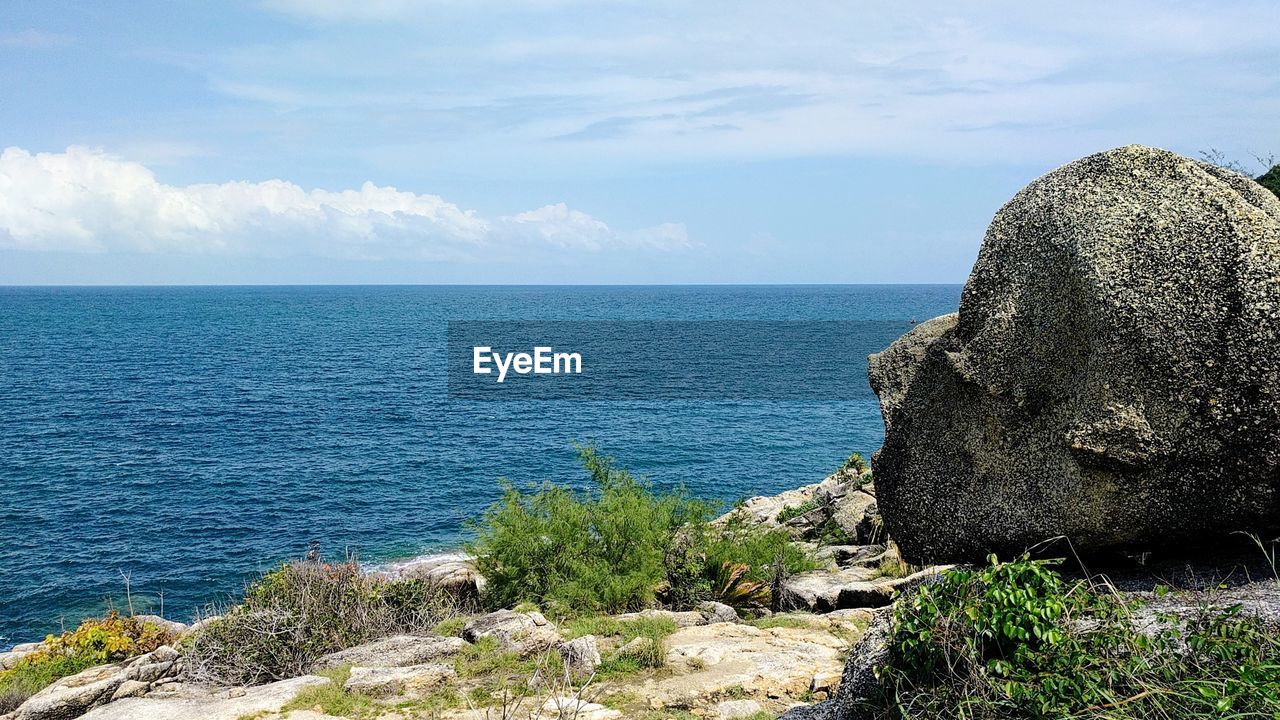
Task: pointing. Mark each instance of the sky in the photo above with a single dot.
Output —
(576, 141)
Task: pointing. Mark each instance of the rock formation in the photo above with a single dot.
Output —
(1112, 375)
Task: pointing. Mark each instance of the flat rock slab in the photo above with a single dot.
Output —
(710, 661)
(392, 681)
(395, 651)
(232, 704)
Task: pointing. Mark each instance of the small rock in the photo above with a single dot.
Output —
(523, 633)
(581, 656)
(715, 612)
(172, 626)
(130, 688)
(454, 573)
(389, 681)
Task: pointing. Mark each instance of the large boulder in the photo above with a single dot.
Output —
(1112, 376)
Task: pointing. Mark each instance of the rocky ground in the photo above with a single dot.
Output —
(716, 663)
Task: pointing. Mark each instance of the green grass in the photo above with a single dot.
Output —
(333, 699)
(793, 623)
(451, 627)
(1016, 640)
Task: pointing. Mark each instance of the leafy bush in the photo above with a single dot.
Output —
(789, 512)
(1271, 179)
(93, 642)
(295, 614)
(1016, 640)
(618, 547)
(855, 464)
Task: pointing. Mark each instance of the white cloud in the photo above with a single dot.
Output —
(31, 39)
(595, 83)
(89, 201)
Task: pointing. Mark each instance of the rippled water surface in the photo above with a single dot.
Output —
(186, 437)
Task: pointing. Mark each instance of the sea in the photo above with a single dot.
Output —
(159, 446)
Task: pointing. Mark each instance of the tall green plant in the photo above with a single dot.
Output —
(603, 549)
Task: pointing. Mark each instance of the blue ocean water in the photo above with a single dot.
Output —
(186, 438)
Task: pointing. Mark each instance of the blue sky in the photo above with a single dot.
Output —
(533, 141)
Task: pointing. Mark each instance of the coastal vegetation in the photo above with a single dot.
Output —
(1017, 639)
(93, 642)
(623, 545)
(301, 611)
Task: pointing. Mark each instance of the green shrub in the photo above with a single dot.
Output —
(855, 464)
(1271, 180)
(621, 546)
(789, 512)
(94, 642)
(299, 612)
(1016, 640)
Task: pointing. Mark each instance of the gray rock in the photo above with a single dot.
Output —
(855, 587)
(73, 696)
(523, 633)
(391, 681)
(581, 656)
(395, 651)
(856, 514)
(172, 626)
(1111, 376)
(715, 612)
(208, 704)
(11, 658)
(130, 688)
(454, 573)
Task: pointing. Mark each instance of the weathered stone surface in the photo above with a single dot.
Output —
(1111, 376)
(854, 587)
(715, 612)
(454, 572)
(395, 651)
(195, 703)
(581, 655)
(858, 681)
(709, 661)
(172, 626)
(737, 709)
(72, 696)
(820, 591)
(524, 633)
(130, 688)
(390, 681)
(857, 516)
(11, 658)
